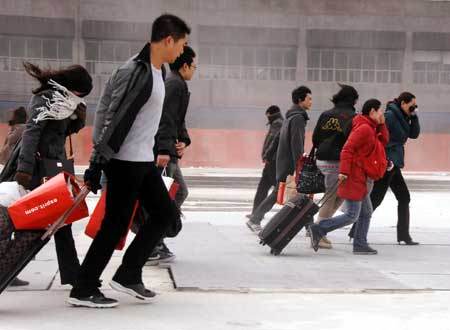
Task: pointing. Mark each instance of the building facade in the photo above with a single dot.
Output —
(251, 54)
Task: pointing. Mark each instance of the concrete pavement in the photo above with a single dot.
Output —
(222, 279)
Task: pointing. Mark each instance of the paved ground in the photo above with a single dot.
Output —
(222, 278)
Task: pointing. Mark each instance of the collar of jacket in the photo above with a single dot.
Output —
(144, 54)
(144, 57)
(297, 110)
(399, 114)
(362, 119)
(274, 117)
(177, 75)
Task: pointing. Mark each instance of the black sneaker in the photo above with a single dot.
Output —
(165, 255)
(97, 300)
(153, 259)
(135, 290)
(364, 250)
(314, 236)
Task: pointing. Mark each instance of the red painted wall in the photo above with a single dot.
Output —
(241, 149)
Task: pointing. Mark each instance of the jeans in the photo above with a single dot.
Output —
(267, 181)
(357, 212)
(330, 170)
(265, 206)
(127, 182)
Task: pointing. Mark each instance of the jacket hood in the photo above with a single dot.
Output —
(296, 110)
(360, 120)
(274, 117)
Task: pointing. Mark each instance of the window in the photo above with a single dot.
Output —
(353, 65)
(431, 67)
(247, 62)
(103, 57)
(43, 52)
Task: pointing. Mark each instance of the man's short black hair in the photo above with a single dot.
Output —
(186, 58)
(169, 25)
(369, 105)
(299, 94)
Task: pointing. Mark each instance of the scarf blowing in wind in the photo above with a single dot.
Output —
(60, 105)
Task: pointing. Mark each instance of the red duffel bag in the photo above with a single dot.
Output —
(45, 204)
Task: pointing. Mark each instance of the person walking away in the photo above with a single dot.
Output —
(173, 138)
(403, 124)
(290, 147)
(57, 110)
(364, 147)
(125, 125)
(269, 158)
(329, 136)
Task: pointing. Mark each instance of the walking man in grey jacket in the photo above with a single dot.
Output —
(125, 126)
(290, 147)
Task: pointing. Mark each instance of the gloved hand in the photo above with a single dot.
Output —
(92, 177)
(24, 179)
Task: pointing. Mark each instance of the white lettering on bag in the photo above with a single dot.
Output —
(41, 206)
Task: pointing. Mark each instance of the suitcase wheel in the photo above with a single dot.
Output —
(275, 252)
(261, 242)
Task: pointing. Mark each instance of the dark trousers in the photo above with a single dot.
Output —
(394, 180)
(267, 181)
(68, 262)
(127, 182)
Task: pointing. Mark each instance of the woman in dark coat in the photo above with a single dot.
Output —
(56, 110)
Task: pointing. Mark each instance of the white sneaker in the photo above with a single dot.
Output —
(254, 227)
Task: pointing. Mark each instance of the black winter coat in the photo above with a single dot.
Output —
(332, 130)
(292, 142)
(45, 138)
(172, 127)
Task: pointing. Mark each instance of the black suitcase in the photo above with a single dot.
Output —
(286, 224)
(18, 248)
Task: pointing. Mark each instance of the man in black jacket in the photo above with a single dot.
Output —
(290, 147)
(172, 138)
(329, 137)
(269, 157)
(126, 122)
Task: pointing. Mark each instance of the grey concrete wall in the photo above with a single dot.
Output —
(406, 25)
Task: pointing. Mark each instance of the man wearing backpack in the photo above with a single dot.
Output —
(363, 160)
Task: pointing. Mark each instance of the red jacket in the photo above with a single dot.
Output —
(359, 144)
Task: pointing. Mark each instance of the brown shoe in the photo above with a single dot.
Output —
(324, 243)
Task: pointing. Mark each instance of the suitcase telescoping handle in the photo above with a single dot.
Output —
(328, 194)
(62, 219)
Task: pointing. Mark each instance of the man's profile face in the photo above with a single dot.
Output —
(175, 48)
(307, 102)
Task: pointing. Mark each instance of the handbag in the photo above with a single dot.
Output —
(48, 168)
(310, 179)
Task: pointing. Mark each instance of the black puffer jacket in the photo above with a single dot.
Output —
(45, 138)
(332, 130)
(270, 146)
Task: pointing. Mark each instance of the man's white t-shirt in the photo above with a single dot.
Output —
(138, 145)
